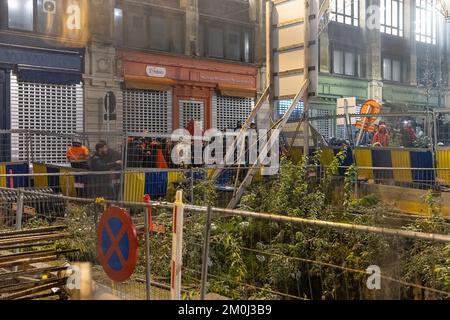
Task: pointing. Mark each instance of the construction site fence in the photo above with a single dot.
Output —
(161, 184)
(126, 185)
(238, 254)
(134, 150)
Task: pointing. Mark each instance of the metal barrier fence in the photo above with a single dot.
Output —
(235, 254)
(410, 129)
(126, 150)
(129, 185)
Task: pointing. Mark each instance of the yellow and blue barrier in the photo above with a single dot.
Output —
(418, 161)
(15, 168)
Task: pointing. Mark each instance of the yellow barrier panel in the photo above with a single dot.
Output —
(327, 156)
(401, 159)
(210, 173)
(363, 158)
(2, 179)
(172, 177)
(134, 187)
(296, 154)
(258, 176)
(67, 183)
(40, 181)
(443, 161)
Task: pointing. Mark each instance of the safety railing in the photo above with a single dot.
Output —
(238, 254)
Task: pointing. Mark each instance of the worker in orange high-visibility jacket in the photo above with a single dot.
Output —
(78, 155)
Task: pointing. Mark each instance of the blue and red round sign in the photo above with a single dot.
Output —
(117, 245)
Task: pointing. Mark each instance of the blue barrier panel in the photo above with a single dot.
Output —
(82, 186)
(19, 182)
(53, 181)
(422, 159)
(156, 184)
(224, 178)
(382, 158)
(198, 175)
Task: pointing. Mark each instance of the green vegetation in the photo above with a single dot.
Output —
(259, 259)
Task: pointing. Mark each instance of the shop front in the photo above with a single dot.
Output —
(40, 89)
(165, 92)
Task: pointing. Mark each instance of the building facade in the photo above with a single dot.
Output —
(165, 61)
(41, 68)
(394, 51)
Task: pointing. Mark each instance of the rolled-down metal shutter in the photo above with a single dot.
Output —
(227, 111)
(191, 110)
(147, 110)
(45, 107)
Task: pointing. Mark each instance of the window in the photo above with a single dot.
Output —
(345, 11)
(233, 45)
(49, 16)
(392, 69)
(427, 72)
(247, 46)
(177, 44)
(20, 14)
(283, 105)
(338, 62)
(159, 39)
(426, 21)
(349, 65)
(215, 42)
(118, 25)
(391, 17)
(225, 41)
(346, 62)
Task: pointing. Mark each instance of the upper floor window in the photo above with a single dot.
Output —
(283, 106)
(118, 25)
(225, 42)
(392, 69)
(346, 62)
(345, 11)
(426, 21)
(391, 17)
(20, 14)
(51, 17)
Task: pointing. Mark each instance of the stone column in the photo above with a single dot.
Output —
(192, 21)
(410, 35)
(373, 40)
(101, 71)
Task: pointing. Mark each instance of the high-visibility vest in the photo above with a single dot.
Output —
(77, 154)
(160, 160)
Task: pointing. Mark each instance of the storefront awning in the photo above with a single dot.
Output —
(148, 83)
(51, 76)
(235, 91)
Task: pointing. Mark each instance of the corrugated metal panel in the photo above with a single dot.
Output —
(401, 159)
(134, 187)
(443, 162)
(147, 110)
(44, 107)
(227, 111)
(422, 159)
(363, 158)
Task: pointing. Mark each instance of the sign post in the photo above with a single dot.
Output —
(110, 107)
(117, 244)
(177, 246)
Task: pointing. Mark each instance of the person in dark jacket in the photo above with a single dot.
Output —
(105, 159)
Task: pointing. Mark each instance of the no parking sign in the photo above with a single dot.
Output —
(117, 245)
